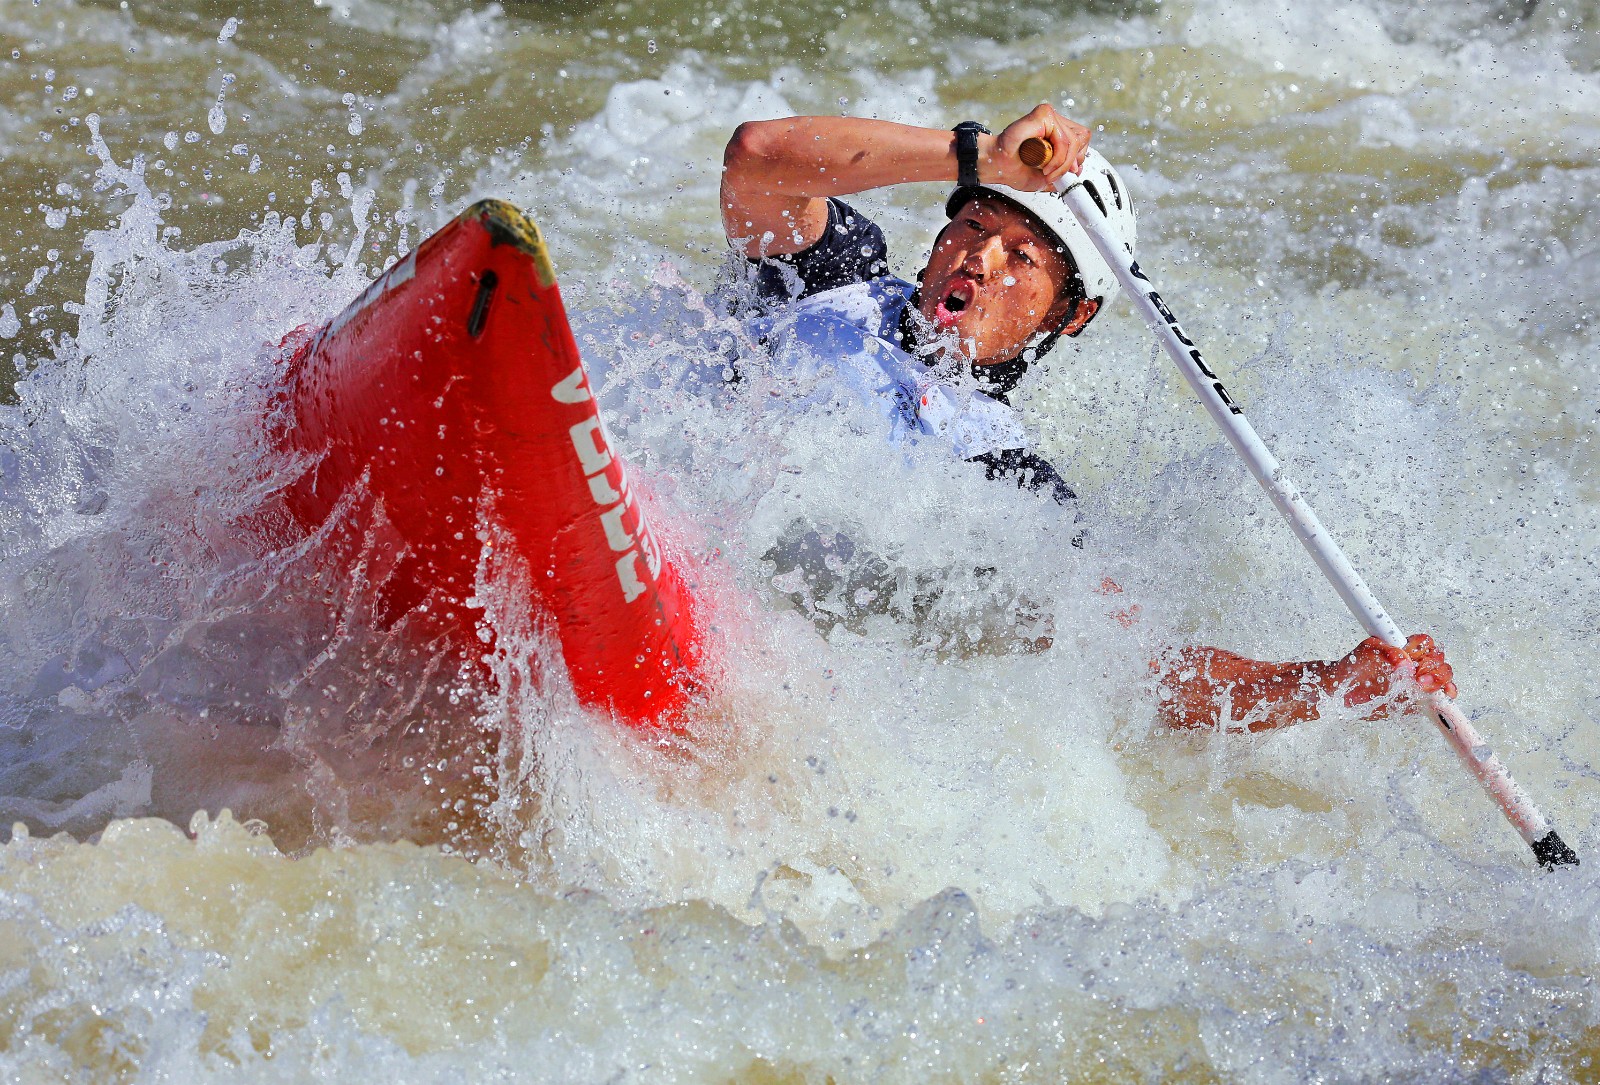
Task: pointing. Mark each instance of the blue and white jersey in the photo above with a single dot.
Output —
(847, 336)
(834, 309)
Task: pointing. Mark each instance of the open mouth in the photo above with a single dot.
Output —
(954, 303)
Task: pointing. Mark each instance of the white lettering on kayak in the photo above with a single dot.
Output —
(652, 556)
(608, 485)
(590, 442)
(600, 489)
(616, 535)
(628, 576)
(573, 388)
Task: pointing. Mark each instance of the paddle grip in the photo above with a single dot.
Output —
(1035, 152)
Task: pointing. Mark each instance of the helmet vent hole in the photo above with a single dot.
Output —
(1116, 192)
(1094, 195)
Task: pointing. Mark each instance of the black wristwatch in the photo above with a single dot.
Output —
(967, 152)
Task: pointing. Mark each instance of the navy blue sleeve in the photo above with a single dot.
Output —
(1029, 471)
(1032, 472)
(850, 250)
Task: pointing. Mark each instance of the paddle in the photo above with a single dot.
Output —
(1548, 847)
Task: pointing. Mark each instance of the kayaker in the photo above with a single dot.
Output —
(998, 290)
(1009, 275)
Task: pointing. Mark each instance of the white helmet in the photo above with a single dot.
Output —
(1109, 193)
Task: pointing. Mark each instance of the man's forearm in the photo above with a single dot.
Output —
(777, 173)
(1213, 689)
(835, 156)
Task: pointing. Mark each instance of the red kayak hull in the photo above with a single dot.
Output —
(454, 391)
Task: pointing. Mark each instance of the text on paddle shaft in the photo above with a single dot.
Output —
(608, 485)
(1177, 329)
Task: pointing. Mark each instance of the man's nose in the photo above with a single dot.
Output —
(984, 259)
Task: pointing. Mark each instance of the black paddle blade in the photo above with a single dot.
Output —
(1552, 851)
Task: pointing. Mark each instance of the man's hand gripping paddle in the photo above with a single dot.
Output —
(1548, 847)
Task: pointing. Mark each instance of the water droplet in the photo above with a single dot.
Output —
(218, 118)
(355, 126)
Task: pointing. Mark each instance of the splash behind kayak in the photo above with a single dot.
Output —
(454, 380)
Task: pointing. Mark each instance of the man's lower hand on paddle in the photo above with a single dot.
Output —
(1215, 689)
(1368, 673)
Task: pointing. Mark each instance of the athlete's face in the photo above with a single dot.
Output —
(994, 281)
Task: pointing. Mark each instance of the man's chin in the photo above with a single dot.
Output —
(938, 318)
(966, 338)
(952, 335)
(945, 322)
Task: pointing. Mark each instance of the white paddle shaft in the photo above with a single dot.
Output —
(1453, 723)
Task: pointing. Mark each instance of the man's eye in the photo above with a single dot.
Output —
(974, 224)
(1027, 258)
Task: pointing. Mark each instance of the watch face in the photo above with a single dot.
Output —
(967, 152)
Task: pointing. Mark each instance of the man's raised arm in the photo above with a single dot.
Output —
(777, 174)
